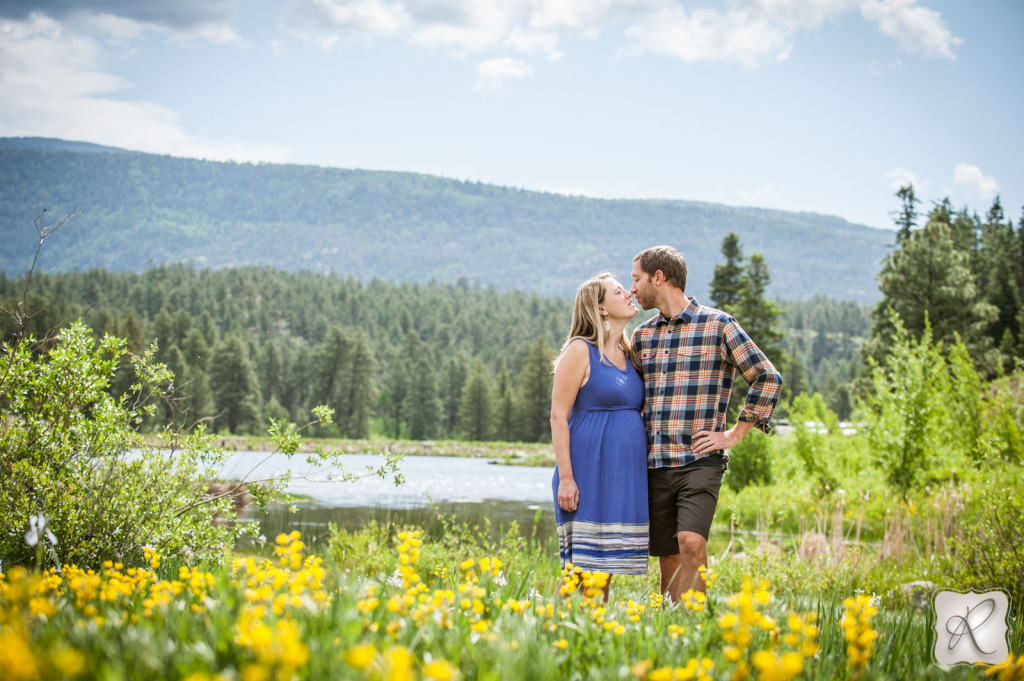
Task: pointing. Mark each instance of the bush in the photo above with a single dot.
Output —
(988, 552)
(750, 462)
(69, 452)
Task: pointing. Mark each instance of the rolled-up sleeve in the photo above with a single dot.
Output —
(757, 370)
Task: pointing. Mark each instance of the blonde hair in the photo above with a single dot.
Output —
(587, 322)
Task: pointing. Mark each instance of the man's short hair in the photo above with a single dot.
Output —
(667, 259)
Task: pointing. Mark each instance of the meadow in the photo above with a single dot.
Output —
(453, 599)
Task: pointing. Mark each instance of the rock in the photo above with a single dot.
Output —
(919, 594)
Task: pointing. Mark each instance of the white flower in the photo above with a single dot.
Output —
(533, 594)
(395, 579)
(500, 579)
(36, 529)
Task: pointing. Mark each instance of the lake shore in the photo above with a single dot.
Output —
(507, 453)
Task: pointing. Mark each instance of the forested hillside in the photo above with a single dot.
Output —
(140, 210)
(399, 359)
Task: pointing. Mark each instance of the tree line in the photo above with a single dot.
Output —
(397, 360)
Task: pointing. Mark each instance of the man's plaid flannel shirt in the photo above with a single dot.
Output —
(688, 364)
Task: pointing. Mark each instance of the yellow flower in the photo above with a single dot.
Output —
(253, 672)
(439, 670)
(360, 656)
(16, 658)
(561, 644)
(398, 665)
(69, 661)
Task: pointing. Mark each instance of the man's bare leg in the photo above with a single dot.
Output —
(681, 572)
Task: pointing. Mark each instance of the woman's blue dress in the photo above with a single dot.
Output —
(608, 531)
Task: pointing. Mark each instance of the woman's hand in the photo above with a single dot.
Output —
(568, 495)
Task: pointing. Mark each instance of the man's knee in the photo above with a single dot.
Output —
(692, 547)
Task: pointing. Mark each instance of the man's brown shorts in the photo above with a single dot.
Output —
(682, 499)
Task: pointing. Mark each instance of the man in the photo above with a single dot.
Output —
(689, 355)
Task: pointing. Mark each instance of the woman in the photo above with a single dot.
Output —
(600, 482)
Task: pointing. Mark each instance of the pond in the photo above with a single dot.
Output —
(466, 489)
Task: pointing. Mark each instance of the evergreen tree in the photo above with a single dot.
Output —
(392, 399)
(235, 386)
(997, 277)
(534, 404)
(756, 314)
(505, 406)
(906, 218)
(270, 370)
(728, 280)
(929, 280)
(360, 399)
(333, 361)
(476, 414)
(422, 409)
(453, 381)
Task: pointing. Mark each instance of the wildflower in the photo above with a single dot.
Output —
(1009, 670)
(561, 644)
(439, 670)
(16, 657)
(500, 579)
(396, 578)
(398, 663)
(360, 656)
(860, 635)
(37, 528)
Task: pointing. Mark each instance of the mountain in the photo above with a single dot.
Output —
(138, 210)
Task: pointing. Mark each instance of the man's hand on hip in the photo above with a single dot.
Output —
(707, 441)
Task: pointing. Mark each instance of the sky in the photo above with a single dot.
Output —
(826, 106)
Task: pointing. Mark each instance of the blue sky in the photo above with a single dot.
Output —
(807, 105)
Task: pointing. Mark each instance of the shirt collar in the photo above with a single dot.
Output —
(685, 316)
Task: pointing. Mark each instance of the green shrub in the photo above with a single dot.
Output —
(750, 462)
(69, 452)
(989, 549)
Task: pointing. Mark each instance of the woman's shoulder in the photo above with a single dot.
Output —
(579, 346)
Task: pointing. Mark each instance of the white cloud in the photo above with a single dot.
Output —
(748, 32)
(52, 84)
(901, 177)
(916, 29)
(373, 18)
(492, 75)
(977, 183)
(590, 16)
(709, 35)
(541, 43)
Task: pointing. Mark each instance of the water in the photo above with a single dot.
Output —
(468, 489)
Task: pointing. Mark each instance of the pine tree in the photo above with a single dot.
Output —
(906, 219)
(392, 398)
(997, 276)
(361, 397)
(929, 278)
(728, 279)
(422, 408)
(505, 406)
(476, 413)
(235, 386)
(270, 370)
(534, 403)
(453, 381)
(333, 362)
(759, 316)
